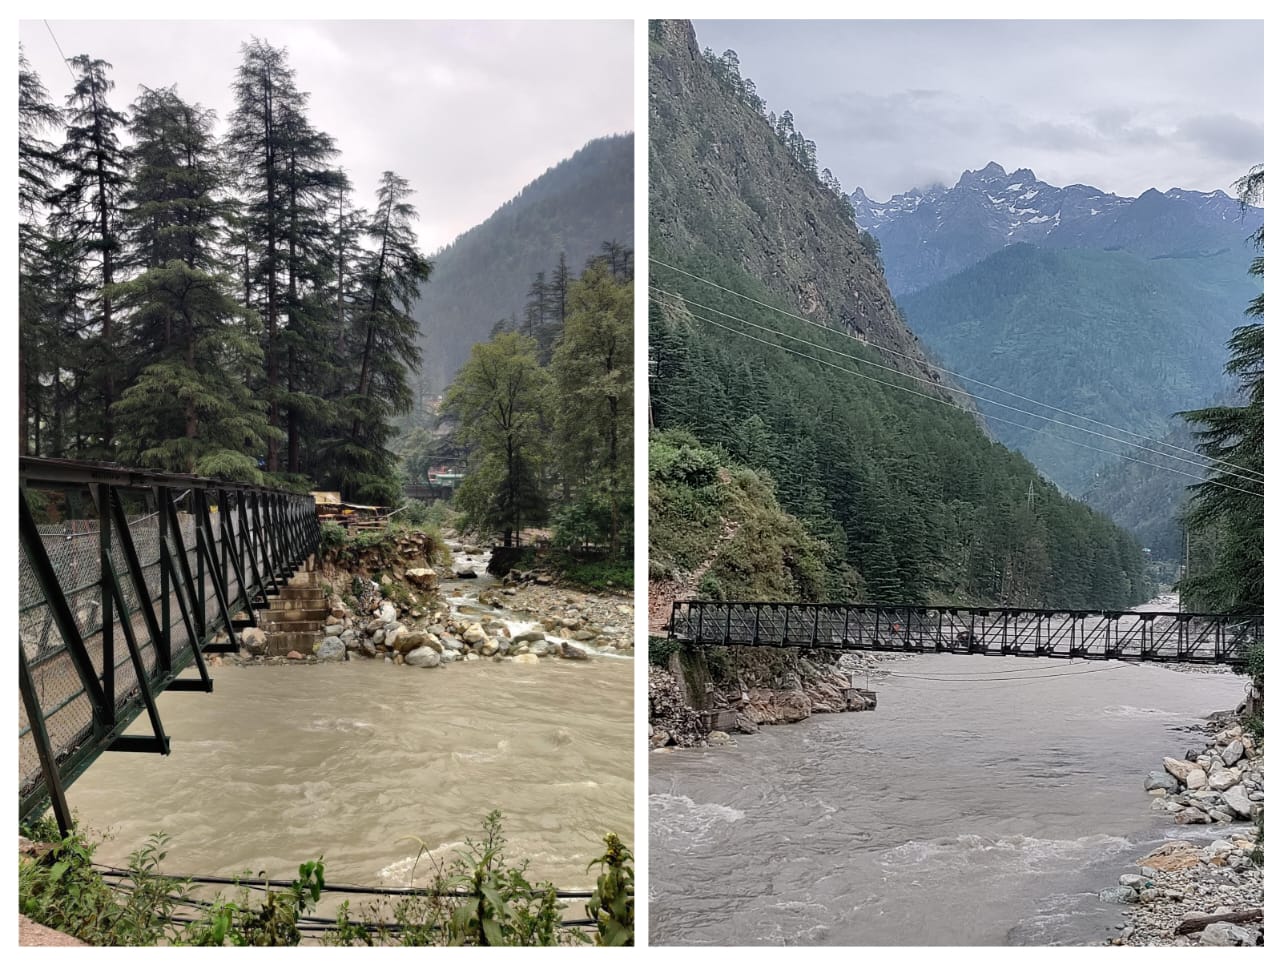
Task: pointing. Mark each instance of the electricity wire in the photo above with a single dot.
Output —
(957, 390)
(939, 400)
(65, 63)
(951, 373)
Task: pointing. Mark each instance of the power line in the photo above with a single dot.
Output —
(939, 400)
(952, 373)
(956, 390)
(65, 63)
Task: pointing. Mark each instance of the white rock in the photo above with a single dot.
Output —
(1238, 801)
(1224, 779)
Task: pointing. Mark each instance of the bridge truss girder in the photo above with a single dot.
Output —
(127, 583)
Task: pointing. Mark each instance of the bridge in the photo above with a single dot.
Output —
(1111, 635)
(126, 579)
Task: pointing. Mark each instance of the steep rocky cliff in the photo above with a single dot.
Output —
(721, 184)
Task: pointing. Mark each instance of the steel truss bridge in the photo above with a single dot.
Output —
(127, 578)
(1111, 635)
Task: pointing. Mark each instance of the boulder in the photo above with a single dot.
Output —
(1134, 881)
(423, 577)
(434, 643)
(387, 612)
(331, 649)
(1224, 934)
(719, 739)
(407, 641)
(490, 646)
(474, 634)
(296, 656)
(1121, 894)
(525, 659)
(528, 637)
(574, 652)
(422, 657)
(333, 630)
(1197, 780)
(1161, 779)
(1180, 769)
(658, 737)
(1224, 779)
(1238, 801)
(254, 640)
(1232, 753)
(1191, 816)
(539, 647)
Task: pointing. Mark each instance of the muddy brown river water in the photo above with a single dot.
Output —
(286, 762)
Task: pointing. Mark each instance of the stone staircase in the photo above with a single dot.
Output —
(294, 621)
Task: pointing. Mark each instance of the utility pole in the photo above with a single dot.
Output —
(1031, 495)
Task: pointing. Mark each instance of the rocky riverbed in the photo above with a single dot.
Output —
(427, 614)
(1181, 885)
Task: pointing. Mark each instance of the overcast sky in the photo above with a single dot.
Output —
(1120, 105)
(468, 112)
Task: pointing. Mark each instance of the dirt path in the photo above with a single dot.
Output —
(663, 594)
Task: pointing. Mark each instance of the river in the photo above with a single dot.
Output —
(284, 762)
(985, 802)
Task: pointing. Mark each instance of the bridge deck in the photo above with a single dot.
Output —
(1112, 635)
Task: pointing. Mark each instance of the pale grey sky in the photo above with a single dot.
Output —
(468, 112)
(1120, 105)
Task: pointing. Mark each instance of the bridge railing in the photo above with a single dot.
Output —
(126, 579)
(1124, 635)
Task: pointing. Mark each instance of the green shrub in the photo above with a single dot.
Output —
(64, 891)
(272, 923)
(613, 905)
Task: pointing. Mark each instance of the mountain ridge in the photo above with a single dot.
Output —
(483, 275)
(929, 234)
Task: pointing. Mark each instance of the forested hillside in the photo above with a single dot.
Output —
(1108, 335)
(202, 297)
(482, 277)
(886, 469)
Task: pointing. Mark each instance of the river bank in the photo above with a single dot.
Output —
(759, 687)
(425, 605)
(1180, 885)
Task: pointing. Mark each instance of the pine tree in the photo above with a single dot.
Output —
(389, 281)
(1228, 503)
(188, 407)
(264, 90)
(37, 167)
(88, 213)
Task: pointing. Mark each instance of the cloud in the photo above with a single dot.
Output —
(1224, 135)
(1120, 105)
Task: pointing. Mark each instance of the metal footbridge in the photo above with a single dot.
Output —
(126, 579)
(1111, 635)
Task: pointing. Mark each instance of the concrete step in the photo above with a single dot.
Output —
(281, 644)
(293, 614)
(299, 604)
(291, 641)
(302, 594)
(305, 579)
(293, 627)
